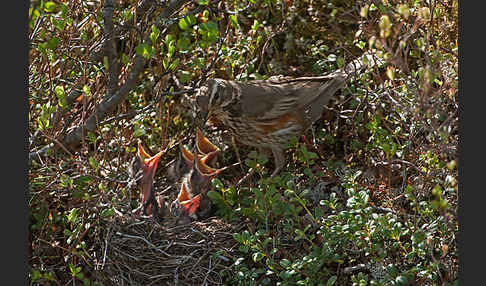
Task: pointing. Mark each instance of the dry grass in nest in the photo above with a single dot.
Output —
(146, 253)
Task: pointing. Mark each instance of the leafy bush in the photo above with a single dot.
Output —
(369, 194)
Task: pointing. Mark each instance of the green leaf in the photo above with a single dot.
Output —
(286, 274)
(250, 163)
(285, 263)
(385, 26)
(332, 58)
(144, 50)
(92, 137)
(244, 248)
(191, 19)
(169, 38)
(205, 15)
(183, 24)
(255, 25)
(174, 64)
(36, 275)
(127, 15)
(154, 35)
(61, 96)
(289, 192)
(262, 160)
(209, 32)
(331, 280)
(107, 212)
(364, 11)
(34, 14)
(340, 62)
(52, 43)
(361, 44)
(67, 232)
(66, 181)
(203, 2)
(401, 280)
(43, 123)
(183, 44)
(49, 276)
(165, 62)
(257, 256)
(139, 49)
(334, 12)
(125, 59)
(94, 163)
(234, 21)
(42, 47)
(217, 184)
(49, 7)
(73, 215)
(318, 213)
(59, 24)
(184, 76)
(87, 90)
(215, 196)
(74, 270)
(451, 165)
(238, 237)
(171, 50)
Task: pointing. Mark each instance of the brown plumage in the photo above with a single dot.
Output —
(267, 113)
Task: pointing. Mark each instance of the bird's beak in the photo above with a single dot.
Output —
(189, 204)
(148, 172)
(205, 149)
(205, 171)
(186, 155)
(204, 146)
(190, 193)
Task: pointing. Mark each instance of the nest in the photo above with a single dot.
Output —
(146, 253)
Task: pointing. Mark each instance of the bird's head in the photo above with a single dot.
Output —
(212, 98)
(148, 166)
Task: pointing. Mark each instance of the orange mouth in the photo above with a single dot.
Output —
(191, 205)
(150, 166)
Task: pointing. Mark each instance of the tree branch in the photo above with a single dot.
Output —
(73, 140)
(110, 49)
(99, 52)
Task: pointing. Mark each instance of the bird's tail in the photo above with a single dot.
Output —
(338, 79)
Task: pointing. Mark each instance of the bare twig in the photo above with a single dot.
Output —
(99, 51)
(110, 49)
(73, 139)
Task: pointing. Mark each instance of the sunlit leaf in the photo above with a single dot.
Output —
(49, 7)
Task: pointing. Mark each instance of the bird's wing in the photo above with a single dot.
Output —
(269, 99)
(265, 100)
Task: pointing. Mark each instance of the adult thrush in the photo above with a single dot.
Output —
(267, 113)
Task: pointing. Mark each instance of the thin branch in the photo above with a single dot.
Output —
(110, 49)
(73, 140)
(99, 52)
